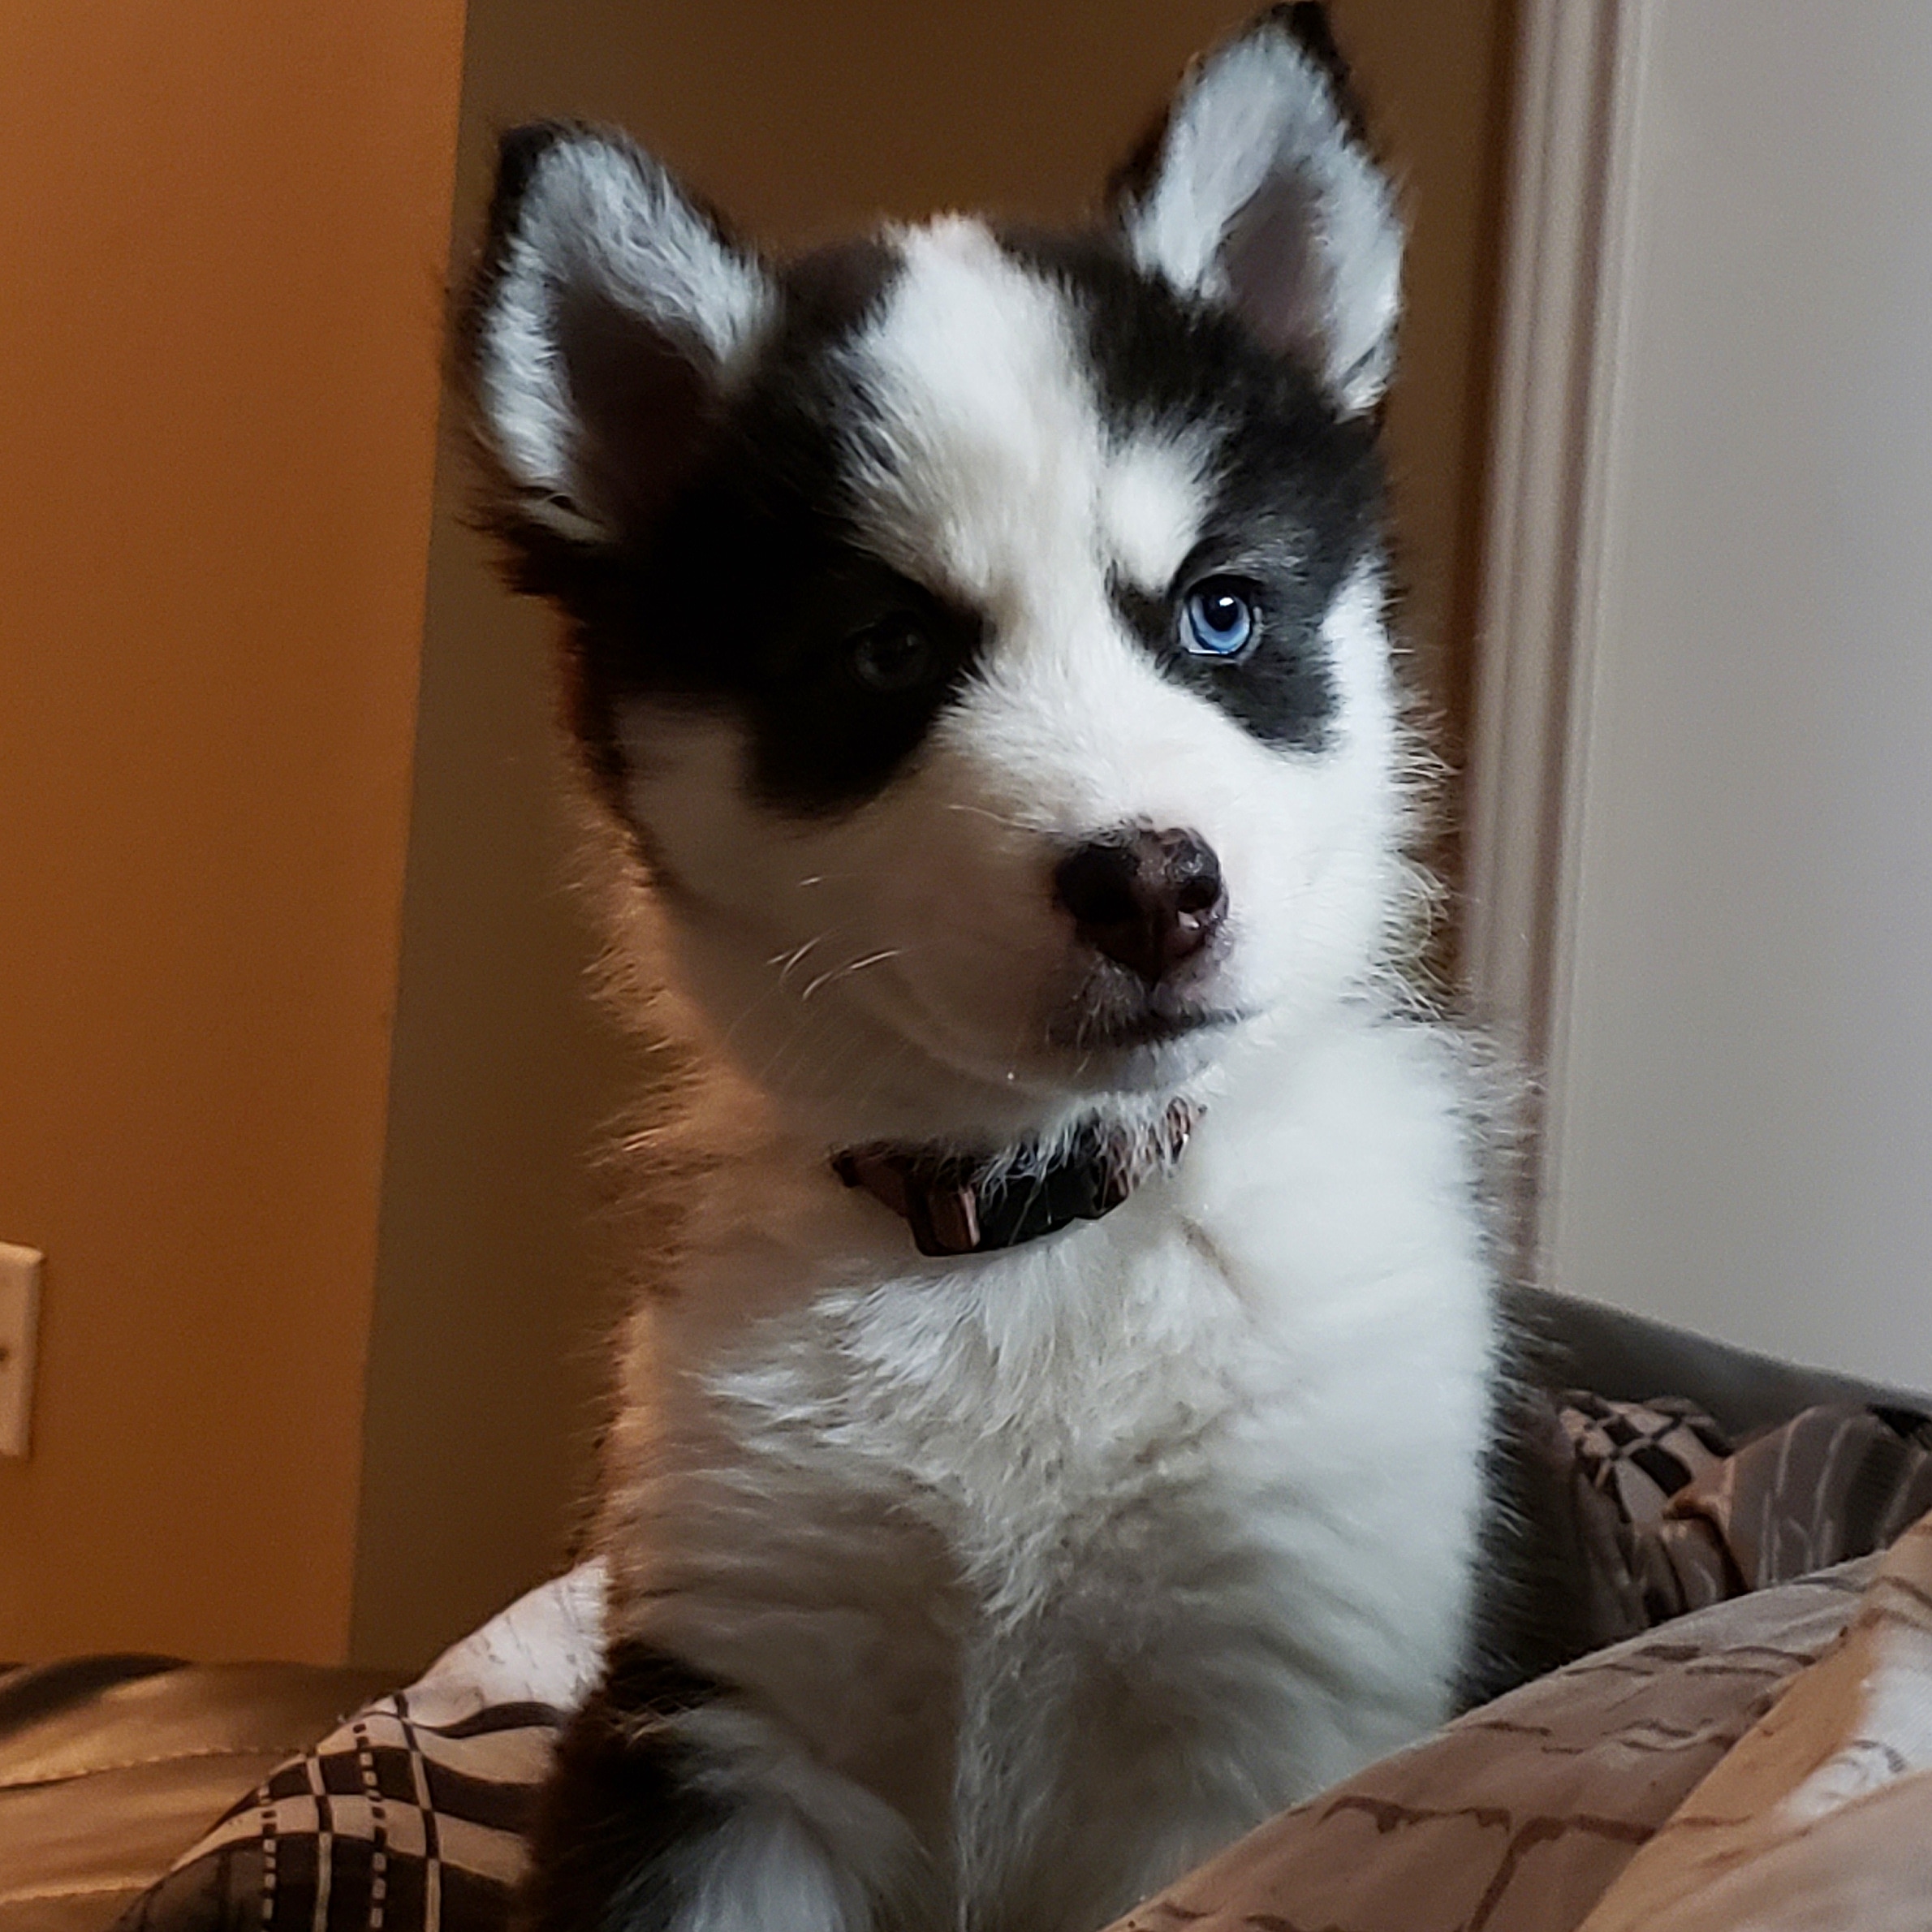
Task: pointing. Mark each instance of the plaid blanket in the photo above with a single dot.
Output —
(408, 1818)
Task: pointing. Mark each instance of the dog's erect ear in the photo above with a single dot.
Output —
(1259, 193)
(608, 314)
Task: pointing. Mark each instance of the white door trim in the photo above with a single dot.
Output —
(1565, 281)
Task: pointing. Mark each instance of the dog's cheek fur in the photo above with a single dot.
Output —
(798, 943)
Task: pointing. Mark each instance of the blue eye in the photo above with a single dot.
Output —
(1217, 619)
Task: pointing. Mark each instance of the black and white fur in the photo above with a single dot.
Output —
(990, 1593)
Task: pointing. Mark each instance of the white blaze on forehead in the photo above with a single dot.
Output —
(993, 475)
(1153, 500)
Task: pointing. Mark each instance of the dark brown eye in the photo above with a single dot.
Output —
(895, 654)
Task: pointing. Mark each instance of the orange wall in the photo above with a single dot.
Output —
(223, 230)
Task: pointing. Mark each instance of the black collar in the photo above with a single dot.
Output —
(965, 1204)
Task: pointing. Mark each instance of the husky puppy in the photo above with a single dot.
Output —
(1055, 1441)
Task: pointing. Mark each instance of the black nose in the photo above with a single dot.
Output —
(1149, 899)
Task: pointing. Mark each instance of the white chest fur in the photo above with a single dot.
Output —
(1084, 1557)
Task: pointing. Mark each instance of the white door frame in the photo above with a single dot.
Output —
(1565, 279)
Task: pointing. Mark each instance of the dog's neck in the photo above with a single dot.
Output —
(959, 1203)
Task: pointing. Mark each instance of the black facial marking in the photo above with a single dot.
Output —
(1297, 491)
(751, 594)
(623, 1800)
(1280, 689)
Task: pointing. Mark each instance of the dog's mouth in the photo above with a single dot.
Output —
(1109, 1028)
(1153, 1023)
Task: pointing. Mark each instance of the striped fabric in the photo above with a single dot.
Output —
(394, 1820)
(1674, 1518)
(408, 1816)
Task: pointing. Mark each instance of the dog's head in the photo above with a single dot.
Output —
(982, 634)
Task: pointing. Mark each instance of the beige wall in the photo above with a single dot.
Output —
(223, 234)
(1740, 1098)
(492, 1288)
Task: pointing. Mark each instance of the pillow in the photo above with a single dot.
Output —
(1518, 1816)
(410, 1816)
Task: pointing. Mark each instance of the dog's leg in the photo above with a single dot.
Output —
(675, 1807)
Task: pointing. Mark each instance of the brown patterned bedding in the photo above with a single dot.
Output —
(1764, 1763)
(1822, 1816)
(1517, 1817)
(1523, 1815)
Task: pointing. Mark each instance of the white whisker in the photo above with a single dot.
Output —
(839, 973)
(1012, 824)
(785, 961)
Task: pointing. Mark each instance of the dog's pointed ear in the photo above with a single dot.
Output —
(608, 315)
(1259, 193)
